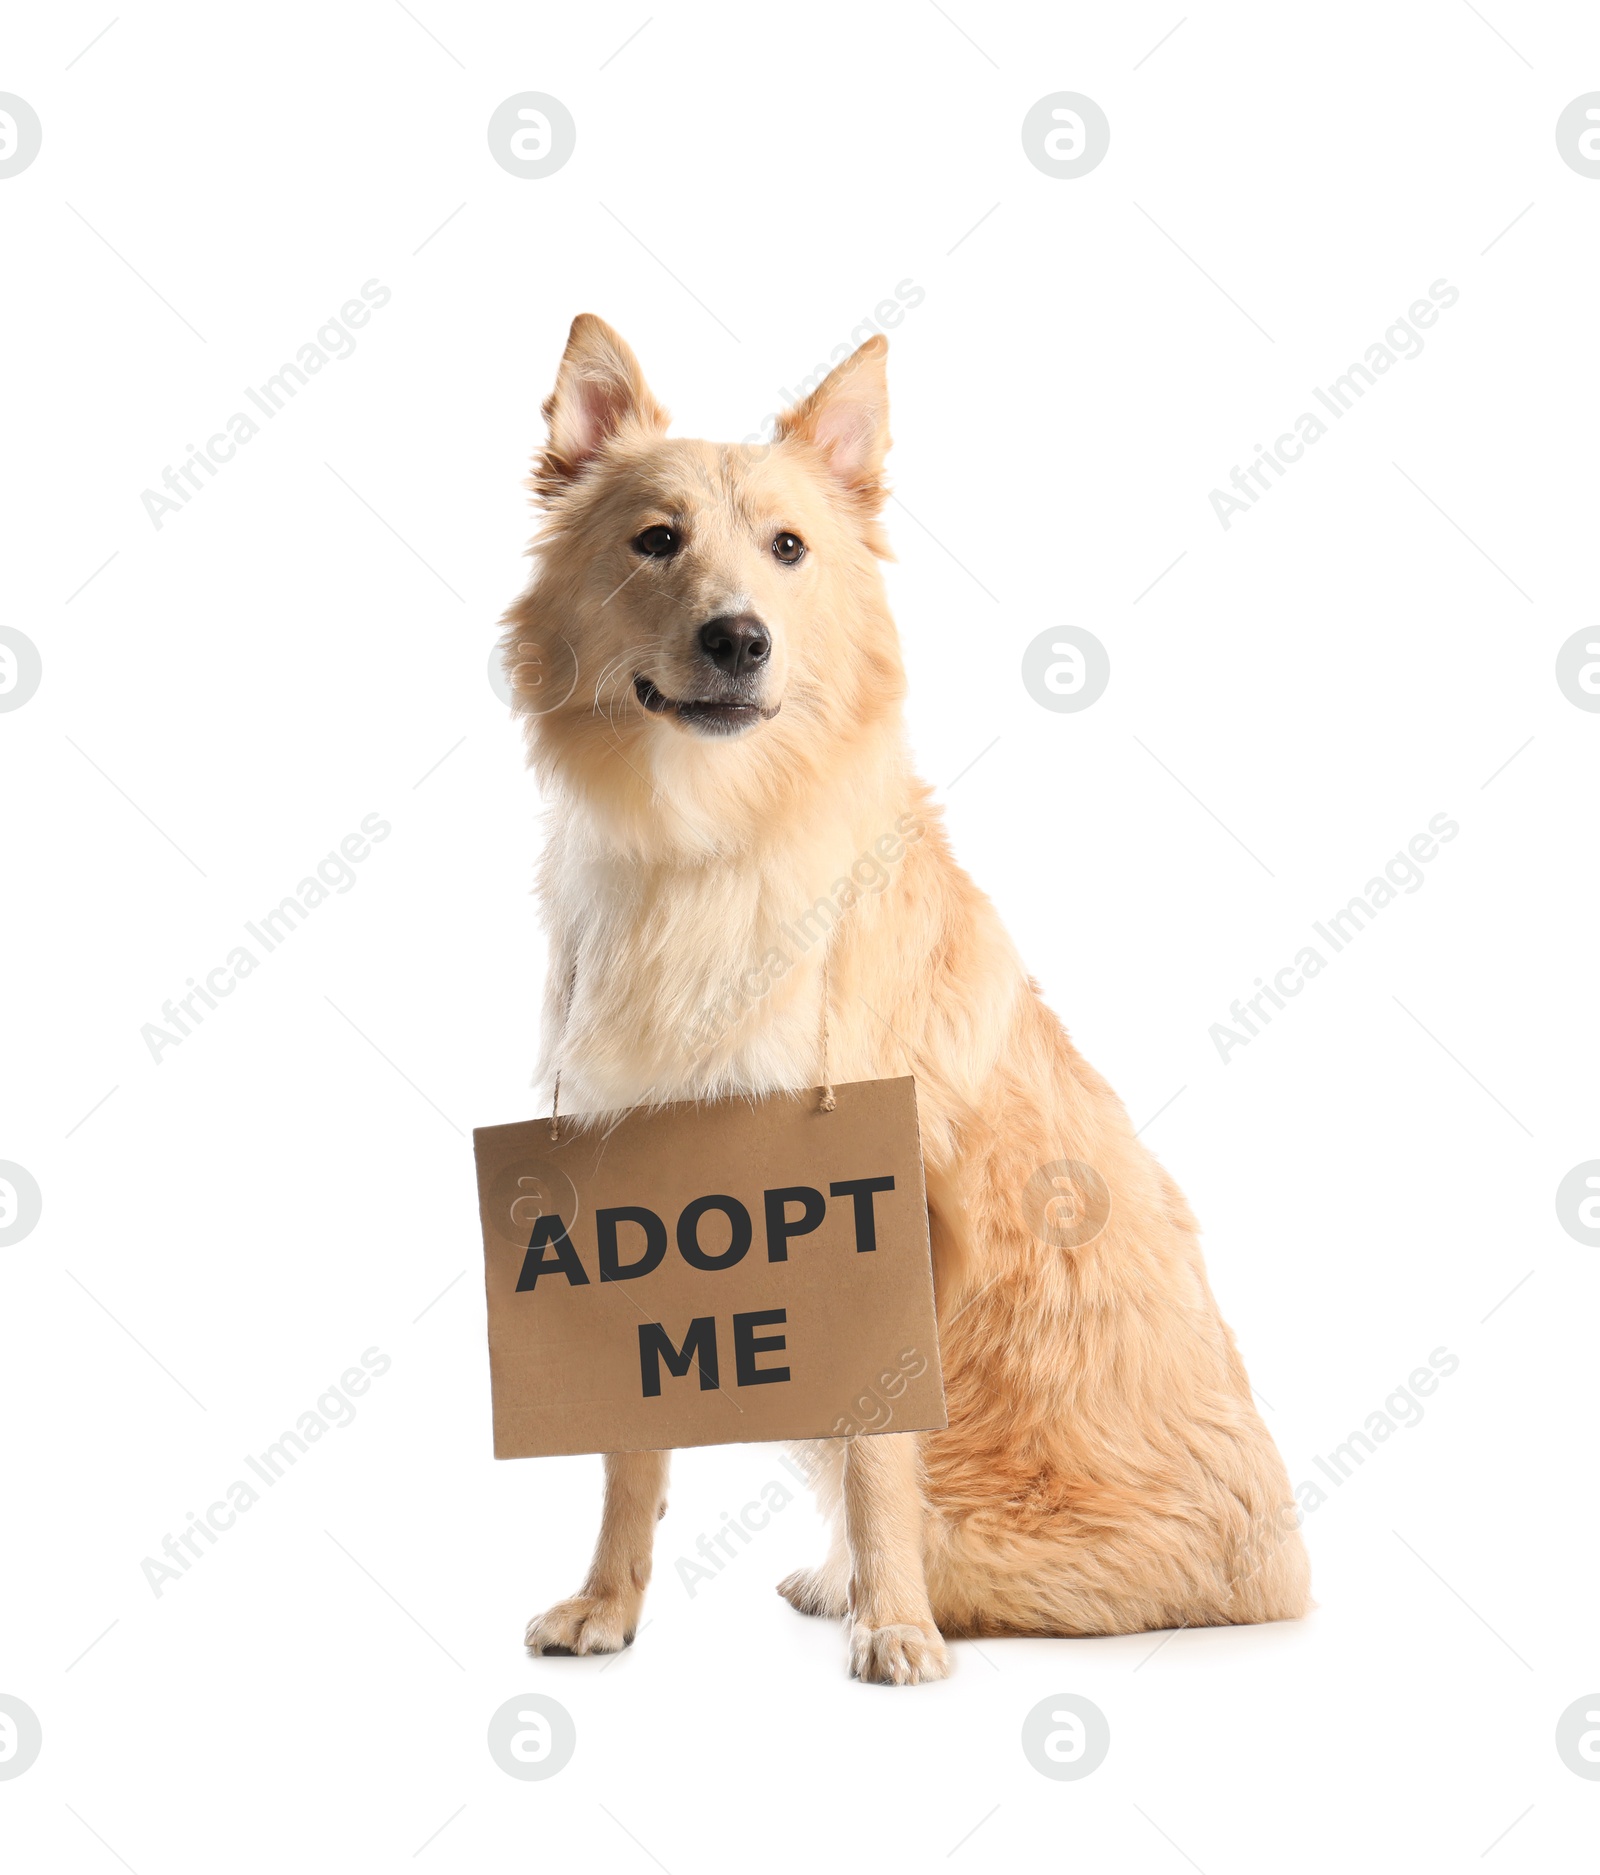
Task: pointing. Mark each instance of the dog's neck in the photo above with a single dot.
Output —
(679, 973)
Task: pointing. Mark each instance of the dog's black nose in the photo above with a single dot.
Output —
(736, 644)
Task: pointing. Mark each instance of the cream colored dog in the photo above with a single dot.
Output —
(731, 743)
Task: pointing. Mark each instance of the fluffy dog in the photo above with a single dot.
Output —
(711, 686)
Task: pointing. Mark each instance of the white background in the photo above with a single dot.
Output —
(229, 695)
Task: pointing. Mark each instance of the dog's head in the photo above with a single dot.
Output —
(706, 618)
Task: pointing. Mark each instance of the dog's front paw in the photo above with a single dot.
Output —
(903, 1653)
(587, 1624)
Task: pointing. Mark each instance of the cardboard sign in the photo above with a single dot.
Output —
(708, 1274)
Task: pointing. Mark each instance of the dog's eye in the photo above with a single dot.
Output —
(788, 548)
(658, 543)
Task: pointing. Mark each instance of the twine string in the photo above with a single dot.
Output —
(566, 1017)
(827, 1102)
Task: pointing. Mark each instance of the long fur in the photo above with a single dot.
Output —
(1104, 1469)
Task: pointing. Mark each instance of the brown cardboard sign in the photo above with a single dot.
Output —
(704, 1274)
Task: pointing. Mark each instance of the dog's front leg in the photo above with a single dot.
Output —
(604, 1615)
(893, 1638)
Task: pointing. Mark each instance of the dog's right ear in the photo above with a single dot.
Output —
(600, 391)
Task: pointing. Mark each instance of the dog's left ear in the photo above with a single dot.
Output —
(846, 419)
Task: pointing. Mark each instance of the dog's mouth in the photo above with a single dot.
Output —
(710, 716)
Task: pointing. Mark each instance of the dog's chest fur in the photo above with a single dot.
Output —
(680, 979)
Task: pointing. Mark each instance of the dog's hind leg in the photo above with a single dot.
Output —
(824, 1590)
(604, 1615)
